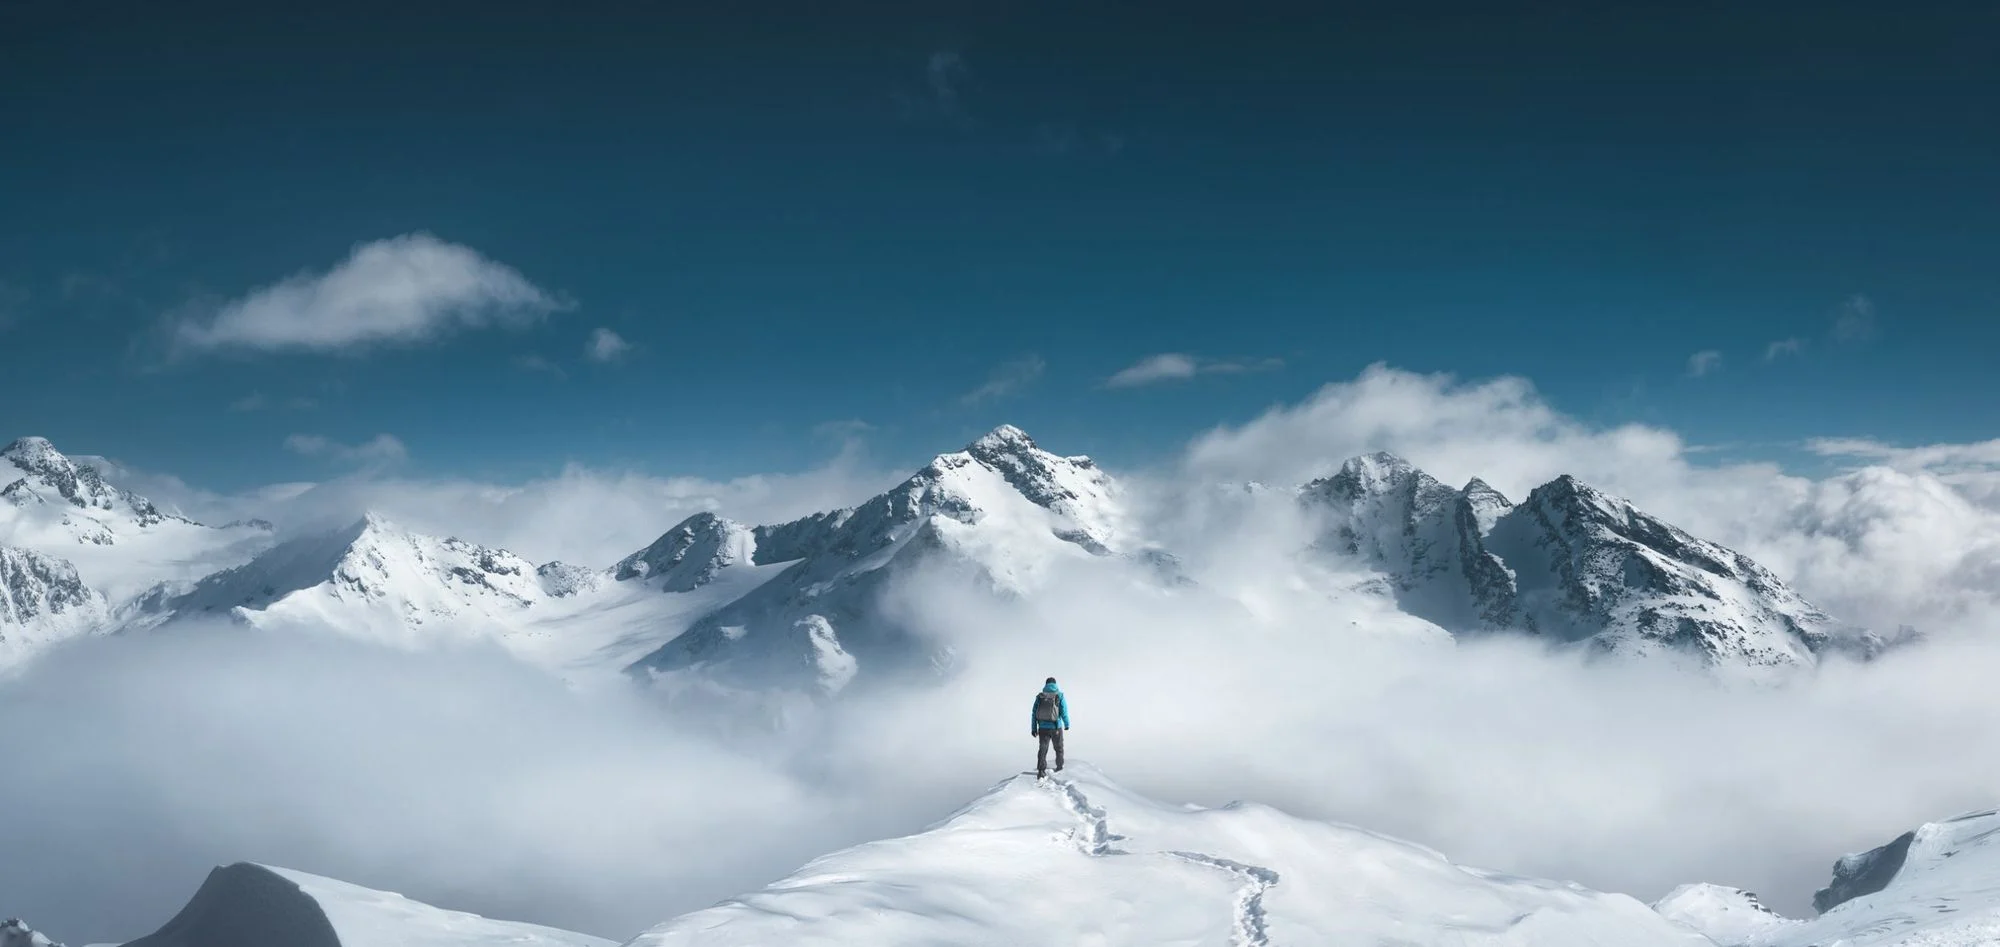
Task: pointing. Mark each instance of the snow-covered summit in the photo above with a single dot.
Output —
(1003, 506)
(690, 554)
(378, 580)
(1727, 916)
(44, 476)
(246, 905)
(121, 543)
(1570, 563)
(1078, 859)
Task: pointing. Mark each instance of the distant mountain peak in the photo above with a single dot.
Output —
(49, 476)
(1571, 563)
(1005, 437)
(28, 451)
(691, 553)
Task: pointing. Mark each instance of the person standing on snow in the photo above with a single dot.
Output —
(1050, 720)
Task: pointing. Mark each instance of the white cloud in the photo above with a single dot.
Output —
(398, 290)
(380, 449)
(1175, 366)
(1007, 379)
(1972, 469)
(1783, 347)
(1704, 362)
(1855, 321)
(606, 346)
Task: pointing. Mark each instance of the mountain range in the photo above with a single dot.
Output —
(800, 605)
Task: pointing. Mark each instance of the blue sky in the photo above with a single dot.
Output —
(930, 219)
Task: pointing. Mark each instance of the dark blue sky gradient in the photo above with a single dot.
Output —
(780, 207)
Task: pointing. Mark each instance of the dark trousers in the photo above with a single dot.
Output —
(1048, 735)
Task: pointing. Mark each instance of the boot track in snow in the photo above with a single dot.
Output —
(1093, 837)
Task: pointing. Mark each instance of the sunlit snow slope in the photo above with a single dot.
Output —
(1078, 860)
(246, 905)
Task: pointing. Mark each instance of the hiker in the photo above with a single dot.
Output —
(1050, 720)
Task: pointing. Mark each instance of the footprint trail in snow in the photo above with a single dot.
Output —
(1094, 838)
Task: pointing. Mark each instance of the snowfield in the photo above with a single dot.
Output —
(1078, 860)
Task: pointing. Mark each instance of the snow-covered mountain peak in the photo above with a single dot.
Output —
(1071, 487)
(691, 553)
(1484, 491)
(1573, 497)
(1003, 507)
(1571, 563)
(44, 476)
(1006, 437)
(377, 579)
(30, 453)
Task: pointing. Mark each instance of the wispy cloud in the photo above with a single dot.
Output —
(1008, 378)
(399, 290)
(1704, 362)
(537, 363)
(945, 72)
(381, 449)
(1854, 323)
(843, 430)
(258, 401)
(606, 346)
(1784, 347)
(1176, 366)
(1980, 455)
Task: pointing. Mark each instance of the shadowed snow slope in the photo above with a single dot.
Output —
(248, 905)
(1078, 860)
(1938, 886)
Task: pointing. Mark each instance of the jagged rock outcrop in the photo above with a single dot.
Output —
(42, 601)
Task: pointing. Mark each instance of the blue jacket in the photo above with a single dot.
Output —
(1062, 708)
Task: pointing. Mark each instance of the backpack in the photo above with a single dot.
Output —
(1048, 707)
